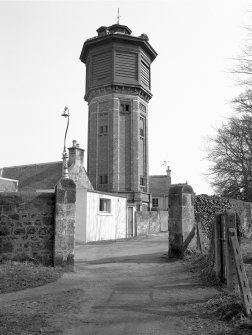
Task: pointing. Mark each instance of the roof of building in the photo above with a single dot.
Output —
(116, 32)
(159, 185)
(35, 176)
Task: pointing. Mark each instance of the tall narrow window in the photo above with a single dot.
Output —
(142, 181)
(103, 130)
(141, 127)
(103, 179)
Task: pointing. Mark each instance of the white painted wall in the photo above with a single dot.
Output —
(81, 215)
(105, 226)
(93, 225)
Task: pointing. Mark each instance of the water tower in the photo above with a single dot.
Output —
(118, 89)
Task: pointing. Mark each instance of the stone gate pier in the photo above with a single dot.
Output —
(181, 217)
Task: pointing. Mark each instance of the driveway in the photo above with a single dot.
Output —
(122, 287)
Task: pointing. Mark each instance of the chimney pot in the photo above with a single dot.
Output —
(76, 154)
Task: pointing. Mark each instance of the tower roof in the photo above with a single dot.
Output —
(116, 32)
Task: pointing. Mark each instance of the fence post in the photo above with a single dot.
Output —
(217, 246)
(230, 220)
(64, 224)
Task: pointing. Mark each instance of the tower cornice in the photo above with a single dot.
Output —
(120, 89)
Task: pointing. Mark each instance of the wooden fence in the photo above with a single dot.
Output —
(229, 265)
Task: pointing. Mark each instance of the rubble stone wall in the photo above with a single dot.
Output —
(27, 226)
(206, 207)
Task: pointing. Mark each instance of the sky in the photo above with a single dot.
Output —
(197, 42)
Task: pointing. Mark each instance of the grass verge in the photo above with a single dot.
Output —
(202, 266)
(225, 306)
(15, 276)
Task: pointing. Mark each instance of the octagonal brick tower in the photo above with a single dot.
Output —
(118, 89)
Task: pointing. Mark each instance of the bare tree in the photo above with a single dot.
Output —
(230, 154)
(243, 103)
(230, 150)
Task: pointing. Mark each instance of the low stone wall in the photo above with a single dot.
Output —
(244, 210)
(207, 206)
(27, 226)
(151, 222)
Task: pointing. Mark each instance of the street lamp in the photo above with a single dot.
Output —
(65, 156)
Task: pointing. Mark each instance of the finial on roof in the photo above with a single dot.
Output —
(165, 163)
(118, 16)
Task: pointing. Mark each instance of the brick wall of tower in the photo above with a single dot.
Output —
(135, 145)
(103, 115)
(92, 143)
(144, 111)
(114, 138)
(125, 150)
(120, 154)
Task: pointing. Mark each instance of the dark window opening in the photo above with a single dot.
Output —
(103, 180)
(105, 205)
(103, 130)
(125, 108)
(155, 202)
(142, 181)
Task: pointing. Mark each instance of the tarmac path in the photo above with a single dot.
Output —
(121, 287)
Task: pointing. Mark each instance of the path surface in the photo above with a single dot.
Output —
(124, 287)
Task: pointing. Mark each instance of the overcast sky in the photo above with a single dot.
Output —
(40, 73)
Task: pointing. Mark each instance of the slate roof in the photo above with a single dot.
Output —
(35, 176)
(159, 185)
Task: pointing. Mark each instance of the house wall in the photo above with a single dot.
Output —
(102, 225)
(27, 226)
(78, 174)
(162, 202)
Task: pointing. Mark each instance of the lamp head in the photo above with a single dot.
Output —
(66, 112)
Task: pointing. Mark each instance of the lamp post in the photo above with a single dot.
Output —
(65, 156)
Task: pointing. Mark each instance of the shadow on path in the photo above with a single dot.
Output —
(138, 259)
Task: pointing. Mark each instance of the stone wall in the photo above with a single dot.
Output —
(151, 222)
(207, 206)
(244, 210)
(27, 226)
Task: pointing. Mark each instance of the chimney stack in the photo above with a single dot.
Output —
(76, 154)
(168, 171)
